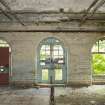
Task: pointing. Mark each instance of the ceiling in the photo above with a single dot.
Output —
(43, 5)
(15, 10)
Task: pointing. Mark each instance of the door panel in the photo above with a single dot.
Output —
(58, 74)
(45, 74)
(4, 56)
(4, 78)
(4, 66)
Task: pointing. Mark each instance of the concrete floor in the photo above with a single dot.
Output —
(92, 95)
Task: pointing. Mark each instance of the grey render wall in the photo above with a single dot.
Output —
(24, 54)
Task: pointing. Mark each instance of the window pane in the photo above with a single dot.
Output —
(43, 47)
(61, 52)
(42, 57)
(55, 47)
(47, 47)
(3, 43)
(55, 56)
(42, 52)
(42, 63)
(6, 45)
(61, 56)
(48, 52)
(58, 74)
(61, 61)
(57, 40)
(44, 74)
(60, 48)
(55, 53)
(95, 48)
(101, 45)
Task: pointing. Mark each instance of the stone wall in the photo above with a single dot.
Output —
(24, 54)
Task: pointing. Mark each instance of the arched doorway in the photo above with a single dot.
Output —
(52, 61)
(4, 62)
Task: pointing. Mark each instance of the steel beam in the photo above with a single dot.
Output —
(85, 17)
(87, 11)
(12, 13)
(98, 6)
(89, 8)
(6, 14)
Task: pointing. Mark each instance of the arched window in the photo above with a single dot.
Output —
(98, 57)
(3, 43)
(52, 61)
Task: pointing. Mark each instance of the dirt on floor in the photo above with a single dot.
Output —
(92, 95)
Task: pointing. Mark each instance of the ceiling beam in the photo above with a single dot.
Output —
(98, 6)
(12, 13)
(6, 14)
(92, 12)
(89, 8)
(87, 11)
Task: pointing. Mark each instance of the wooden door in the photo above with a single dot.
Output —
(4, 65)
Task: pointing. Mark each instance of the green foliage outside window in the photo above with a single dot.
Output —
(99, 63)
(98, 59)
